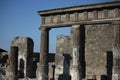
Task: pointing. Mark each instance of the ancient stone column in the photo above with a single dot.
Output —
(76, 71)
(44, 50)
(13, 63)
(116, 51)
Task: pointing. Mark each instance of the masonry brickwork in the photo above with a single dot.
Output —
(97, 42)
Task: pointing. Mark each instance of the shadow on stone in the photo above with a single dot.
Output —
(82, 50)
(20, 74)
(64, 77)
(104, 77)
(66, 64)
(109, 64)
(66, 68)
(53, 78)
(21, 71)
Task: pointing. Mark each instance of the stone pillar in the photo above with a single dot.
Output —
(25, 61)
(44, 50)
(76, 71)
(116, 51)
(13, 63)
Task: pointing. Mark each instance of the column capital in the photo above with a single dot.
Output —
(44, 28)
(76, 26)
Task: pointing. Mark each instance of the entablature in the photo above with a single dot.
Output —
(81, 14)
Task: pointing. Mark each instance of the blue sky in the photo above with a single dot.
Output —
(20, 18)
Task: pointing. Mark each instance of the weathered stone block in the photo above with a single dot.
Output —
(47, 19)
(96, 50)
(55, 19)
(101, 14)
(82, 16)
(63, 18)
(72, 17)
(113, 13)
(90, 15)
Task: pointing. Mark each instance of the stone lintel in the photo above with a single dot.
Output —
(102, 21)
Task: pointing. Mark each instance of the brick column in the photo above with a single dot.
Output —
(116, 51)
(13, 63)
(76, 72)
(44, 50)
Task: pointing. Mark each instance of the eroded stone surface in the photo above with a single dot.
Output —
(25, 51)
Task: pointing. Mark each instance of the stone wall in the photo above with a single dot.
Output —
(63, 58)
(98, 50)
(96, 45)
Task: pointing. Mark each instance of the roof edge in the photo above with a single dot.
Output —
(78, 7)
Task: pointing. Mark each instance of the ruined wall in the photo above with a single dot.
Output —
(3, 63)
(25, 51)
(97, 42)
(51, 60)
(63, 58)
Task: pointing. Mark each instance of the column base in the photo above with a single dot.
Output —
(116, 77)
(75, 73)
(42, 72)
(116, 73)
